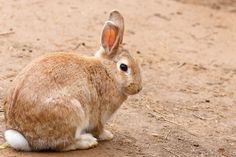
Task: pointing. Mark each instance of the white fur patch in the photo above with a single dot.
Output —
(16, 140)
(78, 132)
(76, 103)
(86, 141)
(84, 120)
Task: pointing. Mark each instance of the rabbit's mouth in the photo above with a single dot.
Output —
(132, 89)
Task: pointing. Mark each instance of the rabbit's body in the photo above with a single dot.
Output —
(61, 101)
(69, 101)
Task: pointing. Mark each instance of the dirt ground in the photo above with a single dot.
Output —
(186, 49)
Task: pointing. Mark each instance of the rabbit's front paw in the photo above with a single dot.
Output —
(105, 135)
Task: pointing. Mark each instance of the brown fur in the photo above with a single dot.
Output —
(40, 101)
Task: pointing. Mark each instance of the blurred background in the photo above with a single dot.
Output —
(187, 52)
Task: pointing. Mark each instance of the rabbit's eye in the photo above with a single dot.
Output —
(123, 67)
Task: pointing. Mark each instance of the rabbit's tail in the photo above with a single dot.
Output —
(16, 140)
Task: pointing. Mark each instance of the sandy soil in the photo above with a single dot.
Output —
(186, 49)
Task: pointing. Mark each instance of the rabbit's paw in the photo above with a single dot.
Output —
(86, 141)
(105, 135)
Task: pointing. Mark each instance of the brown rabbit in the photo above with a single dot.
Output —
(61, 101)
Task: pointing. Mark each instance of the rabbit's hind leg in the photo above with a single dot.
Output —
(85, 141)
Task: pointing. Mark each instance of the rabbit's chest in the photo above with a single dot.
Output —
(110, 107)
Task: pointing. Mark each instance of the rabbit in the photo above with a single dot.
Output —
(61, 101)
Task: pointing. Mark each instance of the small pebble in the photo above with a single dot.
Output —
(179, 13)
(138, 52)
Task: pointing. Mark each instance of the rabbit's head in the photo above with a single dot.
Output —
(119, 63)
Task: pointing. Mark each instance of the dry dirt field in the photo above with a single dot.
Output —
(187, 52)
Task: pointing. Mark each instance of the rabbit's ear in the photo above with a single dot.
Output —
(110, 38)
(118, 19)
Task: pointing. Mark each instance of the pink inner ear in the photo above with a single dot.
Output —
(109, 36)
